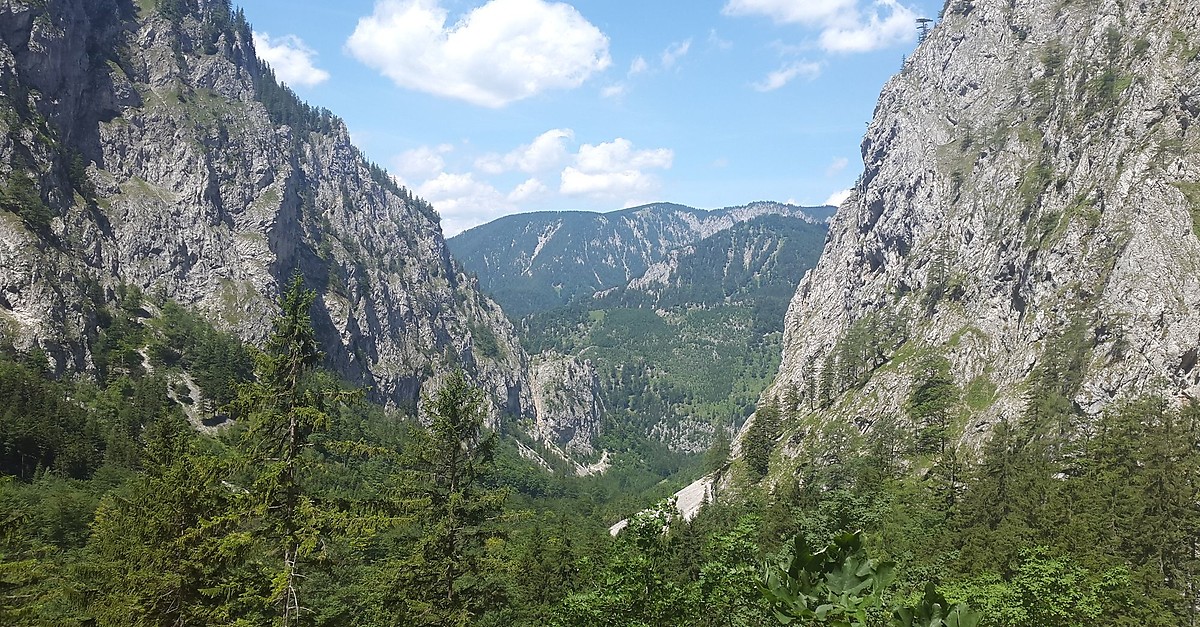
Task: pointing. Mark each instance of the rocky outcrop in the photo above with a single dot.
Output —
(566, 397)
(1029, 206)
(169, 159)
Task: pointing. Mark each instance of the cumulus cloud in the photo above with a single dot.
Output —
(837, 198)
(875, 32)
(674, 53)
(421, 163)
(503, 51)
(787, 74)
(844, 25)
(619, 154)
(290, 58)
(463, 201)
(836, 166)
(529, 190)
(546, 151)
(614, 170)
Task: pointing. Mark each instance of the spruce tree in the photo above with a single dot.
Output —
(287, 404)
(456, 514)
(760, 439)
(171, 549)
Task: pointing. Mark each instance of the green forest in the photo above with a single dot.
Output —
(319, 508)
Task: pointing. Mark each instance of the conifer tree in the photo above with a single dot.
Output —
(172, 548)
(284, 408)
(456, 514)
(760, 439)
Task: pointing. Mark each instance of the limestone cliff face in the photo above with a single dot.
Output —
(169, 159)
(566, 395)
(1030, 202)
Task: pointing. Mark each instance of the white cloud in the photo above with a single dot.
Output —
(618, 155)
(638, 66)
(674, 53)
(837, 198)
(463, 202)
(575, 182)
(715, 41)
(836, 166)
(875, 33)
(529, 190)
(546, 151)
(421, 163)
(290, 58)
(503, 51)
(616, 90)
(844, 25)
(614, 170)
(787, 73)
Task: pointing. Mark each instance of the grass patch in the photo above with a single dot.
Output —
(979, 394)
(1033, 183)
(1182, 45)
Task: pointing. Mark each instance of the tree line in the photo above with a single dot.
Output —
(318, 508)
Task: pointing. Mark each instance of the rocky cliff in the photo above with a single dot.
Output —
(1028, 210)
(566, 396)
(147, 146)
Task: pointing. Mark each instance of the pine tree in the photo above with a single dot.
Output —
(172, 549)
(287, 404)
(456, 514)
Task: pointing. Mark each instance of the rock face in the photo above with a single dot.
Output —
(168, 158)
(566, 396)
(1030, 203)
(535, 261)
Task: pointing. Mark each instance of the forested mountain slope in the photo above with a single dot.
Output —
(536, 261)
(683, 351)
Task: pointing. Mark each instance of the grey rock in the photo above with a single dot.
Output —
(1032, 170)
(201, 198)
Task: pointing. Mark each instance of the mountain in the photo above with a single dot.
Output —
(757, 262)
(685, 349)
(1025, 226)
(535, 261)
(145, 147)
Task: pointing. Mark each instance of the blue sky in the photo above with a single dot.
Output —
(491, 107)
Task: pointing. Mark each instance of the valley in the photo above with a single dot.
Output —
(246, 378)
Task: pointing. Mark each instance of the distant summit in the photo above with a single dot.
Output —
(532, 262)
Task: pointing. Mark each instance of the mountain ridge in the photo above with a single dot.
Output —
(534, 261)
